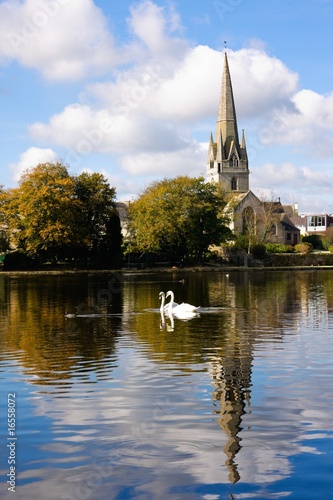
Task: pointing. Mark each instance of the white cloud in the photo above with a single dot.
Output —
(63, 39)
(163, 93)
(153, 25)
(84, 130)
(152, 110)
(70, 40)
(32, 157)
(314, 106)
(148, 114)
(260, 82)
(308, 186)
(299, 176)
(307, 122)
(189, 160)
(188, 94)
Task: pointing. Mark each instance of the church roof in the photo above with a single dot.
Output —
(274, 207)
(236, 198)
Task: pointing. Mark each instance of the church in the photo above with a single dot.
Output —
(228, 165)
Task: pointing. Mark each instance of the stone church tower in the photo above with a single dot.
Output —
(227, 164)
(227, 161)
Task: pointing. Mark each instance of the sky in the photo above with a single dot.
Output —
(130, 89)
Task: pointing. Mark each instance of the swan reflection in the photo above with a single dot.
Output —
(167, 322)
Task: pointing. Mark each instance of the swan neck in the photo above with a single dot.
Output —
(172, 299)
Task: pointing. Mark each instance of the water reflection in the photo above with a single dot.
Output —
(171, 406)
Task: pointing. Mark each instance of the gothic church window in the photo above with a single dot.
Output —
(249, 222)
(233, 161)
(234, 184)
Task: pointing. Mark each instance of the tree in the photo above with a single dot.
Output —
(99, 221)
(327, 238)
(181, 217)
(42, 211)
(316, 240)
(54, 215)
(4, 241)
(4, 238)
(249, 227)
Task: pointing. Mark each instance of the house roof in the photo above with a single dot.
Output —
(274, 207)
(287, 223)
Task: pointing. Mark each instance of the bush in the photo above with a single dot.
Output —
(241, 243)
(330, 249)
(18, 261)
(279, 248)
(303, 247)
(327, 238)
(258, 250)
(315, 240)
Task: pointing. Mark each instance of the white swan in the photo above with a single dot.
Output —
(69, 315)
(180, 308)
(184, 315)
(164, 306)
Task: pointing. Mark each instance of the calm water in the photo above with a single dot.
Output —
(120, 403)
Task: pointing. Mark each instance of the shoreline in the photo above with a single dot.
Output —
(166, 270)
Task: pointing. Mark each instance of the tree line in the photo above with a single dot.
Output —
(52, 216)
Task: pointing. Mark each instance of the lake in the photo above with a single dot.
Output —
(121, 402)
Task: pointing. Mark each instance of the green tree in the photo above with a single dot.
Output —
(315, 240)
(4, 238)
(4, 241)
(181, 217)
(327, 238)
(99, 221)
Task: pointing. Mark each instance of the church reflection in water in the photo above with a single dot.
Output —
(231, 379)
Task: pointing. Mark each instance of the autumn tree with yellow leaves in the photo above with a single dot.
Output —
(52, 215)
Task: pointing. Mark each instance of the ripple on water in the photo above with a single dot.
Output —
(235, 401)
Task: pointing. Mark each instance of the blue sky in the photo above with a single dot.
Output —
(131, 89)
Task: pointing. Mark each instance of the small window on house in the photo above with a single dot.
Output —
(316, 220)
(219, 167)
(288, 237)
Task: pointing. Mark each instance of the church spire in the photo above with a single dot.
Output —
(227, 121)
(228, 161)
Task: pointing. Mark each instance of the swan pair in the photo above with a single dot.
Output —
(172, 307)
(165, 307)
